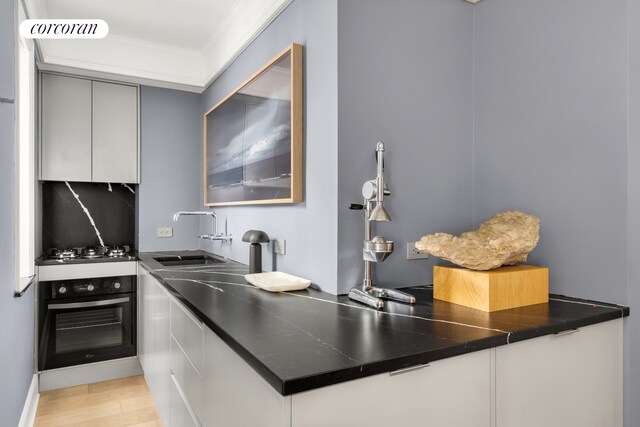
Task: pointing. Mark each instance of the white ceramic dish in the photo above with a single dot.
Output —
(277, 281)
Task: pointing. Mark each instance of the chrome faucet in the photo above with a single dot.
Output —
(214, 226)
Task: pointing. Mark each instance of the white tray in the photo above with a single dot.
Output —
(277, 281)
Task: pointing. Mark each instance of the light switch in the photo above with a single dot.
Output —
(164, 232)
(280, 246)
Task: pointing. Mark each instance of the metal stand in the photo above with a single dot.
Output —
(376, 249)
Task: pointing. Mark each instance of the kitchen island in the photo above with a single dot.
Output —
(316, 349)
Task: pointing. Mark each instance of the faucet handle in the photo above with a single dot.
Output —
(356, 206)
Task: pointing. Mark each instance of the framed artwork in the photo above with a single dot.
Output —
(253, 138)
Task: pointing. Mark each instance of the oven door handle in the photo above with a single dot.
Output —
(88, 304)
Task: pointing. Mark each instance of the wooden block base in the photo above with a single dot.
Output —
(492, 290)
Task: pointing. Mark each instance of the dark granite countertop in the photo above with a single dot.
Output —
(302, 340)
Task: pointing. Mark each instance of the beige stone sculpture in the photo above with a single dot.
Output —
(505, 239)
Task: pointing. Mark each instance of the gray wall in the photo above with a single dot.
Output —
(550, 133)
(632, 377)
(405, 77)
(16, 314)
(551, 139)
(170, 145)
(310, 227)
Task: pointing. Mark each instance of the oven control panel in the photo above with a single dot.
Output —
(86, 287)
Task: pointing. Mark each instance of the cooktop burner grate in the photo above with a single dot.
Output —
(63, 254)
(88, 253)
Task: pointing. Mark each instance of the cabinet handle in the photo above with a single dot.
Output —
(410, 368)
(88, 304)
(567, 332)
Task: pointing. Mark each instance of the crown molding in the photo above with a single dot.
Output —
(126, 57)
(144, 62)
(117, 77)
(236, 40)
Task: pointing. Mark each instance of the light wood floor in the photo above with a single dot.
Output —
(124, 402)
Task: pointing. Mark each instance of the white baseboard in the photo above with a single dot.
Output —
(89, 373)
(30, 408)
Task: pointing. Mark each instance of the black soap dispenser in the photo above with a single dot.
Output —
(255, 238)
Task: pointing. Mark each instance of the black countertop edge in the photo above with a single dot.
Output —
(526, 334)
(388, 366)
(305, 383)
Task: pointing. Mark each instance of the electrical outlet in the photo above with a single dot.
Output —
(412, 252)
(164, 232)
(280, 246)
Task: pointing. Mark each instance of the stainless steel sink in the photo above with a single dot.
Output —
(178, 261)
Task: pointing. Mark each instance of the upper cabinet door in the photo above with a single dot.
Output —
(115, 133)
(66, 128)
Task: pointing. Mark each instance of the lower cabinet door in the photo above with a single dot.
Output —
(155, 344)
(187, 377)
(180, 414)
(562, 380)
(235, 395)
(453, 392)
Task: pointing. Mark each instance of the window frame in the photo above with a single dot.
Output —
(24, 159)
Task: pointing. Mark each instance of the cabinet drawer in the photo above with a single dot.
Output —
(573, 379)
(189, 333)
(187, 377)
(180, 414)
(451, 392)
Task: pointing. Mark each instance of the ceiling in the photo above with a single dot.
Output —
(181, 44)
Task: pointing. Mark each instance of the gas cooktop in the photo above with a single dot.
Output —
(81, 255)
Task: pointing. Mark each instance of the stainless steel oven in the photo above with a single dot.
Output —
(86, 320)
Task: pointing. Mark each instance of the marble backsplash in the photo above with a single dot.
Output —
(80, 214)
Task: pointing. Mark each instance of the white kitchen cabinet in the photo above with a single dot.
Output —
(166, 327)
(65, 128)
(187, 356)
(89, 130)
(203, 381)
(236, 396)
(573, 379)
(115, 133)
(154, 348)
(450, 392)
(188, 378)
(180, 413)
(188, 332)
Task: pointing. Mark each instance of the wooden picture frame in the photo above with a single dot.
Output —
(253, 138)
